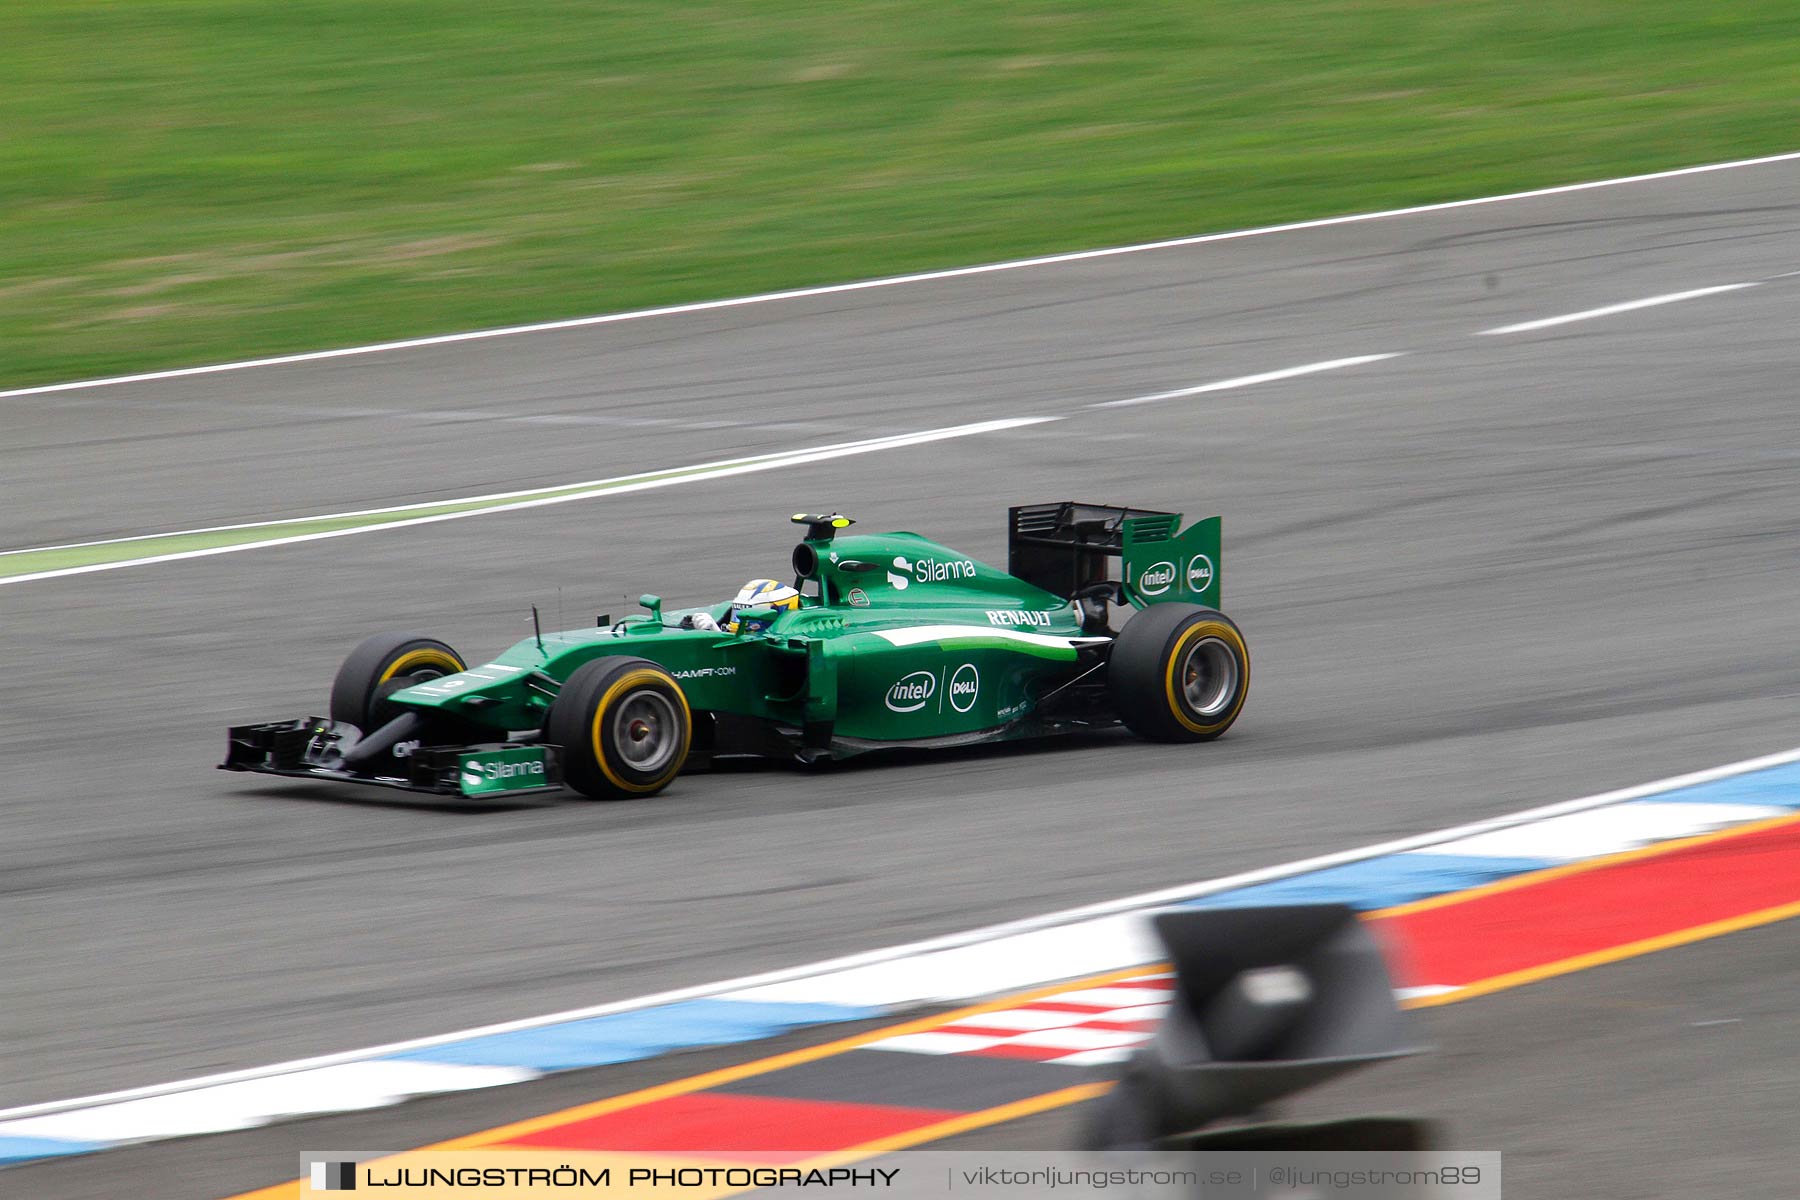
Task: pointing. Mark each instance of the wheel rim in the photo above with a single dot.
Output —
(646, 732)
(1209, 677)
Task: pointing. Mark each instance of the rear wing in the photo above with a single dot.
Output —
(1066, 546)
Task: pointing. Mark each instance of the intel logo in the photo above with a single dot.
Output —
(911, 693)
(1157, 579)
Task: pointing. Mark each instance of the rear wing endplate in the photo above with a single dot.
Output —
(1065, 546)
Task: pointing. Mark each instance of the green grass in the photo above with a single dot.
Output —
(184, 181)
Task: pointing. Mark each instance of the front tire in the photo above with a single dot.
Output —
(380, 666)
(624, 728)
(1179, 673)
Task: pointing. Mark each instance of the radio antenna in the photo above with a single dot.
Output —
(537, 628)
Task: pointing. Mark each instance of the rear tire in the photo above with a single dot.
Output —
(624, 728)
(1179, 673)
(380, 666)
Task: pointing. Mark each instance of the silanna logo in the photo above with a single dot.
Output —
(1157, 578)
(911, 693)
(928, 570)
(476, 774)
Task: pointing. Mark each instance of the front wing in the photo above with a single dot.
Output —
(314, 748)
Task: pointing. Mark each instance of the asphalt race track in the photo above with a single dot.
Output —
(1494, 572)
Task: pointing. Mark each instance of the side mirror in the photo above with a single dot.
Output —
(755, 620)
(654, 604)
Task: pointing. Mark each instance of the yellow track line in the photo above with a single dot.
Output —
(964, 1122)
(763, 1066)
(1515, 882)
(1599, 958)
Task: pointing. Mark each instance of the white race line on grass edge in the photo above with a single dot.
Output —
(836, 289)
(911, 950)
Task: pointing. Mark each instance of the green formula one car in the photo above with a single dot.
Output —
(884, 640)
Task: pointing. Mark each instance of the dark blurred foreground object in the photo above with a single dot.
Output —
(1267, 1002)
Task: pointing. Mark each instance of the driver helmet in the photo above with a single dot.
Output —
(761, 593)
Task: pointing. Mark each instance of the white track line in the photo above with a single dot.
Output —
(835, 289)
(970, 937)
(497, 502)
(1225, 385)
(598, 488)
(778, 458)
(1610, 309)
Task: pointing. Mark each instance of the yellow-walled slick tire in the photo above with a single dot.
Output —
(380, 666)
(1179, 673)
(624, 728)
